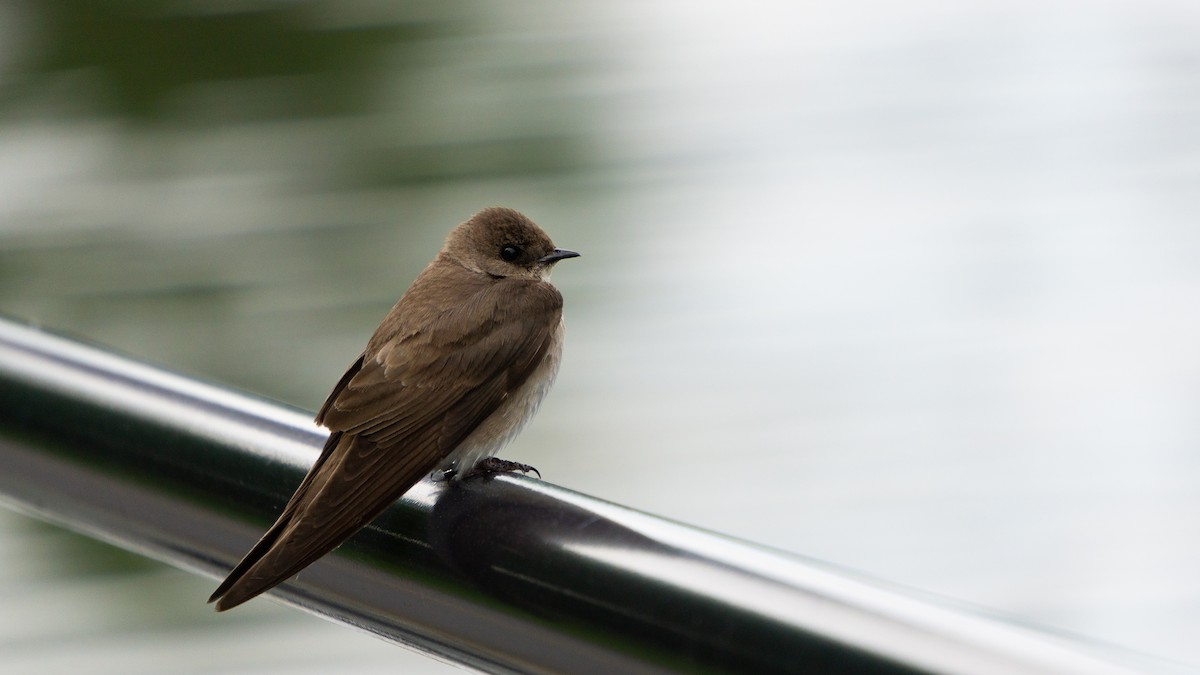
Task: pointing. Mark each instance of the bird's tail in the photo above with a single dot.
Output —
(237, 586)
(325, 511)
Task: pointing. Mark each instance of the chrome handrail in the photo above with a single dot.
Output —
(503, 574)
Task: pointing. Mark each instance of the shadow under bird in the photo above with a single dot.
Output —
(451, 375)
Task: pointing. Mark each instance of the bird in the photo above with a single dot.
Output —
(451, 375)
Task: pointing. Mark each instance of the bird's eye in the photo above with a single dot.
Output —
(510, 253)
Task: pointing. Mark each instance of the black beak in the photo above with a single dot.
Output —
(556, 255)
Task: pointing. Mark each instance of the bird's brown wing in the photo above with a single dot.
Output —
(395, 415)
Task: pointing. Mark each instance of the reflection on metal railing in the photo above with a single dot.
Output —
(504, 574)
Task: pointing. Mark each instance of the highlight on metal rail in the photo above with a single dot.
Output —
(509, 574)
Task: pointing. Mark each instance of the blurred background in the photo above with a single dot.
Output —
(912, 288)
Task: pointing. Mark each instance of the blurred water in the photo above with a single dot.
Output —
(909, 288)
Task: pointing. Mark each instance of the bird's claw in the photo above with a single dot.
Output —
(490, 466)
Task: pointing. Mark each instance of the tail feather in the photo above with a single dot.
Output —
(238, 573)
(261, 576)
(268, 540)
(325, 511)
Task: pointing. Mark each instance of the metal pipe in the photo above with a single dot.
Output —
(503, 574)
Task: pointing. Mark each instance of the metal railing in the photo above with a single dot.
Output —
(504, 574)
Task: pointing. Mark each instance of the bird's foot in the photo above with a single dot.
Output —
(490, 466)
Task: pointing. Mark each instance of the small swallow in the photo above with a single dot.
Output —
(451, 375)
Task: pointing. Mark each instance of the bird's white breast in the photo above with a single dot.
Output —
(518, 408)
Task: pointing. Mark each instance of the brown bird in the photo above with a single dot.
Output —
(450, 376)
